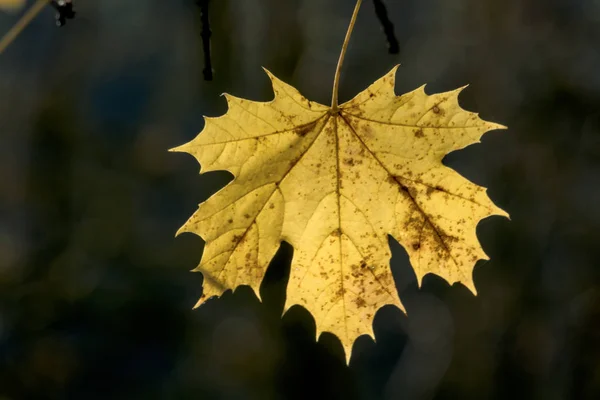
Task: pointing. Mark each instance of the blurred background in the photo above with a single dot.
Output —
(96, 295)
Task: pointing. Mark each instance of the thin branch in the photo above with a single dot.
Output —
(388, 27)
(64, 11)
(336, 79)
(21, 24)
(206, 34)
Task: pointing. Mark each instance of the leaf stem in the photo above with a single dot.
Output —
(336, 79)
(21, 24)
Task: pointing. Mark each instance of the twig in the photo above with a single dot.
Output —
(64, 11)
(21, 24)
(206, 34)
(388, 27)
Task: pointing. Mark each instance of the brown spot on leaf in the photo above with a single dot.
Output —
(419, 133)
(303, 130)
(339, 293)
(246, 216)
(436, 110)
(414, 224)
(450, 238)
(360, 302)
(349, 161)
(416, 246)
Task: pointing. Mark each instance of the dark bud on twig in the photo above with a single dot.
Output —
(388, 27)
(205, 34)
(64, 11)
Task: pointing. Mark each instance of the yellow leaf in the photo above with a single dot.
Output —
(334, 185)
(334, 182)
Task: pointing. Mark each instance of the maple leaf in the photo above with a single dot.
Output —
(334, 182)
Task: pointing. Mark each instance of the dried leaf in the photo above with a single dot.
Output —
(335, 184)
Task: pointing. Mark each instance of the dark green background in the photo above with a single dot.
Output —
(95, 294)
